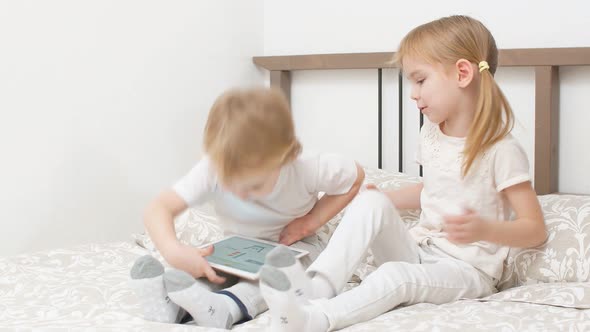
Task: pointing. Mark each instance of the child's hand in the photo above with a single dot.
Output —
(465, 228)
(191, 259)
(297, 229)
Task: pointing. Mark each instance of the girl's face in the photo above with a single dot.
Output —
(436, 93)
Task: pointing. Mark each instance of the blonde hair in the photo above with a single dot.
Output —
(250, 130)
(447, 40)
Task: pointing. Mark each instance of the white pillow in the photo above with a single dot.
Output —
(565, 257)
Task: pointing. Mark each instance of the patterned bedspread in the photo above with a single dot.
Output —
(86, 287)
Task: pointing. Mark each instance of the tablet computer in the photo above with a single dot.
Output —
(242, 256)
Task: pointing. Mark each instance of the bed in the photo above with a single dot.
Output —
(542, 289)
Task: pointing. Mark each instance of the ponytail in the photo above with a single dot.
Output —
(493, 120)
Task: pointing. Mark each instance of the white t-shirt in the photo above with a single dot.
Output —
(503, 165)
(294, 195)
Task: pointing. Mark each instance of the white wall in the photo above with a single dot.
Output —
(332, 26)
(338, 26)
(102, 104)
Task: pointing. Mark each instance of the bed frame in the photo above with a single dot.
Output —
(546, 62)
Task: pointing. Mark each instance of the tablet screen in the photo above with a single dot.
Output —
(240, 253)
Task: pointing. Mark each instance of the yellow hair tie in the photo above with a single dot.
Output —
(483, 65)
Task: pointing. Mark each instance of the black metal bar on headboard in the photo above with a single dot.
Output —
(380, 118)
(400, 103)
(421, 124)
(546, 62)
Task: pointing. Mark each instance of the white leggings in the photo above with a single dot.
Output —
(407, 273)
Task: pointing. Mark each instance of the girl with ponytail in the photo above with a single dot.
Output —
(475, 176)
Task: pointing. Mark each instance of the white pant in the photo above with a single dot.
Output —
(407, 273)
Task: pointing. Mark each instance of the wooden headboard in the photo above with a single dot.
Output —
(546, 62)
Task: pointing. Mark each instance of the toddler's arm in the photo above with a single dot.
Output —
(326, 208)
(159, 223)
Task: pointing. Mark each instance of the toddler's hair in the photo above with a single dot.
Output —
(250, 130)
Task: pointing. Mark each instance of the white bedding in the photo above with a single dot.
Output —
(86, 287)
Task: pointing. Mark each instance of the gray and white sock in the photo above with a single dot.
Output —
(288, 313)
(148, 283)
(283, 259)
(207, 308)
(303, 287)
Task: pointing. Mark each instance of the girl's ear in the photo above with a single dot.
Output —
(465, 72)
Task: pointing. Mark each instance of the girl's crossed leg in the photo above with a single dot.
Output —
(406, 274)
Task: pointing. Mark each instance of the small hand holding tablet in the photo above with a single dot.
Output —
(242, 256)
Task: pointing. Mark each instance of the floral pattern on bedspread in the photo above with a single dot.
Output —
(471, 315)
(568, 295)
(81, 287)
(565, 256)
(86, 287)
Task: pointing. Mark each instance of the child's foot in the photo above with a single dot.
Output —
(288, 313)
(302, 286)
(207, 308)
(148, 283)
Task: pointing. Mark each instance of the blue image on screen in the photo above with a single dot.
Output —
(239, 253)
